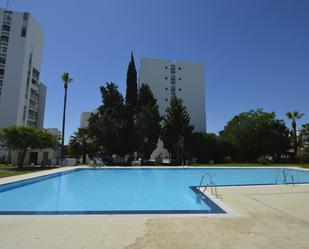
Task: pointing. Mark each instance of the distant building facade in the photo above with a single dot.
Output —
(22, 95)
(185, 80)
(84, 118)
(45, 157)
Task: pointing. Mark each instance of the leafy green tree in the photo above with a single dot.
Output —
(148, 122)
(25, 138)
(293, 116)
(281, 142)
(256, 133)
(205, 147)
(145, 97)
(304, 143)
(66, 80)
(130, 132)
(176, 130)
(304, 134)
(106, 127)
(80, 143)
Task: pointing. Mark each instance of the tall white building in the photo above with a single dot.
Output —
(185, 80)
(84, 118)
(22, 95)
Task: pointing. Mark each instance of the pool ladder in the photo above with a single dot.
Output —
(285, 177)
(211, 184)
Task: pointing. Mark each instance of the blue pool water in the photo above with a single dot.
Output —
(132, 190)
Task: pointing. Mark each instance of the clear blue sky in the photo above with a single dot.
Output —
(256, 52)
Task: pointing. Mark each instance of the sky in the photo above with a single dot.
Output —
(255, 52)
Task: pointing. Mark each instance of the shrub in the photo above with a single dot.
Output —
(264, 160)
(304, 156)
(227, 159)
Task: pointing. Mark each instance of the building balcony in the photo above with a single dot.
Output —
(32, 116)
(34, 107)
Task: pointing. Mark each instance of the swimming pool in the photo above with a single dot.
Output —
(131, 190)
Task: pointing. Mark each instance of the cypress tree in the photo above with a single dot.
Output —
(131, 92)
(129, 132)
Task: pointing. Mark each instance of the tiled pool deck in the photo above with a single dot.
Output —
(264, 217)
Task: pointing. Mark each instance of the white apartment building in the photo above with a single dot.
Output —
(185, 80)
(22, 95)
(84, 117)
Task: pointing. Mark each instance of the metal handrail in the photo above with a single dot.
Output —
(285, 177)
(213, 188)
(206, 174)
(292, 178)
(211, 184)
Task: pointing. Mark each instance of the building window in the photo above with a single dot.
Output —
(166, 100)
(179, 89)
(173, 90)
(179, 68)
(24, 114)
(32, 115)
(24, 31)
(2, 60)
(8, 18)
(4, 38)
(173, 70)
(166, 78)
(166, 67)
(4, 49)
(26, 16)
(179, 78)
(34, 81)
(6, 28)
(35, 74)
(1, 71)
(166, 88)
(173, 80)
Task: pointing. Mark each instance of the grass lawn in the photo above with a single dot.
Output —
(9, 170)
(306, 165)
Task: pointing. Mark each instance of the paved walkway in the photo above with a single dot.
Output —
(268, 217)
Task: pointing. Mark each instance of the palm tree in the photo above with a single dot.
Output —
(66, 80)
(80, 142)
(294, 116)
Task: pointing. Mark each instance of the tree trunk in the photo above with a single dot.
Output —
(84, 158)
(63, 123)
(9, 157)
(295, 145)
(22, 159)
